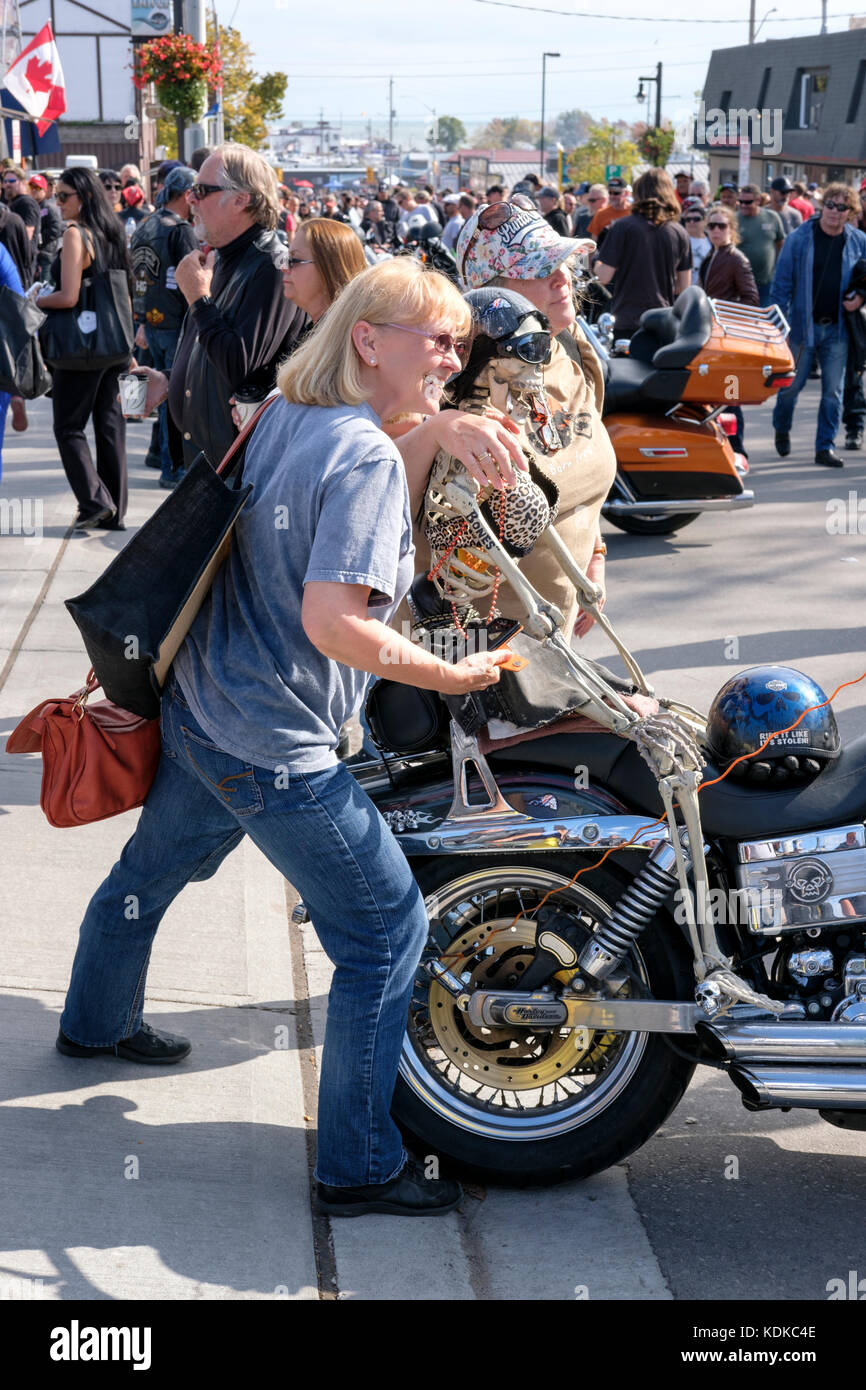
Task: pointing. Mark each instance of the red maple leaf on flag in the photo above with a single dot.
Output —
(39, 75)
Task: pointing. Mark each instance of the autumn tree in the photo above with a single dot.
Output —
(605, 144)
(509, 132)
(249, 103)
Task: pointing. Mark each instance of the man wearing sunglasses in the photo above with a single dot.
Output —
(16, 195)
(238, 325)
(812, 287)
(761, 238)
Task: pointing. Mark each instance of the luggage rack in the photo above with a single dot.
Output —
(748, 321)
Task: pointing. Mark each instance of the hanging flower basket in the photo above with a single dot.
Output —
(180, 69)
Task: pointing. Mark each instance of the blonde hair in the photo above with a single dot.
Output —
(840, 191)
(325, 369)
(247, 172)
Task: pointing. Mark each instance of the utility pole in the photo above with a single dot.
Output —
(195, 134)
(544, 59)
(178, 120)
(751, 21)
(658, 95)
(390, 124)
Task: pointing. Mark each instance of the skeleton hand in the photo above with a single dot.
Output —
(666, 743)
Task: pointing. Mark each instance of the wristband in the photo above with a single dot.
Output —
(600, 549)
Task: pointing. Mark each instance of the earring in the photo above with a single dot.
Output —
(372, 361)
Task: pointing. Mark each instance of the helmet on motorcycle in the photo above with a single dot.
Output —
(762, 703)
(514, 324)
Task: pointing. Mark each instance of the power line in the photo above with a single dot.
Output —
(648, 19)
(518, 72)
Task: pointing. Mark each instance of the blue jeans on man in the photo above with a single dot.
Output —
(831, 351)
(323, 833)
(162, 343)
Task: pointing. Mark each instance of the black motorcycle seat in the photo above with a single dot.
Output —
(631, 385)
(729, 810)
(670, 338)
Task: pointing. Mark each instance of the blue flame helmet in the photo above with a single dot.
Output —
(762, 703)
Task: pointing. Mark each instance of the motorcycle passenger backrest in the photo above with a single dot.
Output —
(672, 337)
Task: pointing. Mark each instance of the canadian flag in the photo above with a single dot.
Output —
(36, 80)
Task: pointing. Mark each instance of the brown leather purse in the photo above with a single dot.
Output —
(97, 760)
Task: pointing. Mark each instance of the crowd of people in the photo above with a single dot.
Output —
(242, 290)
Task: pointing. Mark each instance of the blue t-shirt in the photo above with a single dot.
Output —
(329, 503)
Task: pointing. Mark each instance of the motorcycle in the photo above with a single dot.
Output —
(607, 908)
(665, 401)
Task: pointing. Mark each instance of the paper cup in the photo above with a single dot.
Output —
(133, 394)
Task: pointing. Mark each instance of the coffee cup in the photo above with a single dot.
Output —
(133, 394)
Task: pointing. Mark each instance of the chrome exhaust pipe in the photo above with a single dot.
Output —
(670, 506)
(801, 1087)
(786, 1043)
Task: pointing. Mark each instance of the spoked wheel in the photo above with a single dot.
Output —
(506, 1103)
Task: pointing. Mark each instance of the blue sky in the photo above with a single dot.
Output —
(477, 61)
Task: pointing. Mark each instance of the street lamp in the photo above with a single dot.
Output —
(544, 58)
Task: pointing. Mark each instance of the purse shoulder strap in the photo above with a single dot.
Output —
(238, 448)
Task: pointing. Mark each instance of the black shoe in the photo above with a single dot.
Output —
(783, 444)
(112, 524)
(153, 461)
(409, 1194)
(86, 521)
(157, 1049)
(855, 440)
(829, 458)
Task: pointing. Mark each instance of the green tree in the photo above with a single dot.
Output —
(507, 132)
(571, 127)
(605, 144)
(452, 132)
(656, 144)
(249, 102)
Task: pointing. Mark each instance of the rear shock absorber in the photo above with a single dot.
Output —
(635, 909)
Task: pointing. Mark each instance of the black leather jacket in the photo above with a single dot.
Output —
(235, 342)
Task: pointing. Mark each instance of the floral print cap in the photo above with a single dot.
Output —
(523, 247)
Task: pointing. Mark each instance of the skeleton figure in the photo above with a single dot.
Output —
(471, 545)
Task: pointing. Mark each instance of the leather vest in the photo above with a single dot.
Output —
(157, 301)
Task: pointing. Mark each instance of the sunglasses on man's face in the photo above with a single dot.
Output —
(745, 202)
(836, 207)
(199, 191)
(10, 181)
(693, 219)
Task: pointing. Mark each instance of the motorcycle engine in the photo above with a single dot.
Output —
(828, 970)
(806, 880)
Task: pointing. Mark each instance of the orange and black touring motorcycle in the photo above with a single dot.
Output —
(666, 402)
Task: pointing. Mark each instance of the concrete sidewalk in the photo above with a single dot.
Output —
(192, 1182)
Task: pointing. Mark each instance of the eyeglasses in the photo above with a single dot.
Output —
(112, 185)
(595, 200)
(292, 261)
(11, 181)
(62, 197)
(693, 219)
(199, 191)
(836, 207)
(717, 226)
(745, 202)
(490, 218)
(443, 342)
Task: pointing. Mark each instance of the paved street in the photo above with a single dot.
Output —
(193, 1182)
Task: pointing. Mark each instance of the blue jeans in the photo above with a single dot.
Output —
(162, 343)
(764, 300)
(5, 398)
(831, 349)
(324, 834)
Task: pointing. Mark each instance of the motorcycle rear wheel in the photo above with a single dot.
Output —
(651, 525)
(569, 1128)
